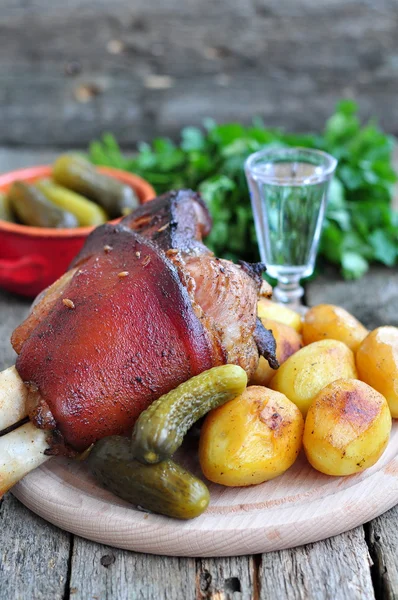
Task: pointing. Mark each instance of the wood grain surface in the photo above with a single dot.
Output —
(361, 564)
(40, 574)
(70, 70)
(299, 507)
(298, 573)
(336, 570)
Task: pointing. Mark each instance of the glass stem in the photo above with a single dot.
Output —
(288, 291)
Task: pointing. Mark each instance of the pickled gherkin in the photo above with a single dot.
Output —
(33, 208)
(160, 429)
(79, 175)
(87, 213)
(165, 488)
(5, 209)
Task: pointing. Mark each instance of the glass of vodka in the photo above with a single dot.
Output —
(288, 188)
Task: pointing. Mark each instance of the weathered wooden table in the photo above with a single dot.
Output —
(40, 562)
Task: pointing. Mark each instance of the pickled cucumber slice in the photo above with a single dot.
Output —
(33, 208)
(5, 209)
(165, 488)
(79, 175)
(87, 213)
(160, 429)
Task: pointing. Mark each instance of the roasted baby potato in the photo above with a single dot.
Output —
(347, 428)
(326, 321)
(377, 364)
(310, 369)
(253, 438)
(266, 309)
(288, 341)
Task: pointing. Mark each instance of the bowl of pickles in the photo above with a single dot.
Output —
(47, 212)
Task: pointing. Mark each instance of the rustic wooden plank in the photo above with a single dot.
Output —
(11, 158)
(33, 555)
(382, 535)
(151, 67)
(373, 299)
(233, 578)
(103, 572)
(336, 569)
(305, 564)
(13, 310)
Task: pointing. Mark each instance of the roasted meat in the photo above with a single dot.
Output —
(176, 220)
(144, 307)
(226, 293)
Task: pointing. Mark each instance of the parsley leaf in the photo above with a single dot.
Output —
(361, 226)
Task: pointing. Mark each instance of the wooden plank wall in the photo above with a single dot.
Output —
(70, 69)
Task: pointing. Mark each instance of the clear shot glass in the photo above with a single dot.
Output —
(288, 189)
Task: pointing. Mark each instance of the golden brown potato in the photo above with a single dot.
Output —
(347, 428)
(253, 438)
(310, 369)
(326, 321)
(266, 309)
(377, 364)
(288, 341)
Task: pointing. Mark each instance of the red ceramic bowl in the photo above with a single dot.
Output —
(31, 258)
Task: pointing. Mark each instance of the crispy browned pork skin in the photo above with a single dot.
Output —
(144, 307)
(226, 293)
(177, 220)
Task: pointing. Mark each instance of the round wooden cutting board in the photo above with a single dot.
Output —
(299, 507)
